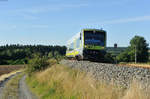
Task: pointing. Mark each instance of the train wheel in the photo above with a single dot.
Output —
(78, 57)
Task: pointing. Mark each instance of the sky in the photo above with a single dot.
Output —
(53, 22)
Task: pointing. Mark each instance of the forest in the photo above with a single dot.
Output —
(21, 54)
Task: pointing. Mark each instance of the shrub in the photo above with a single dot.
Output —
(123, 57)
(37, 64)
(57, 56)
(52, 61)
(108, 58)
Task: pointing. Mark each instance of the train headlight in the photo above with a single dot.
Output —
(86, 46)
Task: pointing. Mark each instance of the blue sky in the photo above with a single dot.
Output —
(52, 22)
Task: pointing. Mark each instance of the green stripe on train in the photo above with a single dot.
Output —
(92, 47)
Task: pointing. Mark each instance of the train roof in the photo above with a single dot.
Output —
(89, 29)
(73, 38)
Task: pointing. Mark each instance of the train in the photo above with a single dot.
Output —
(87, 44)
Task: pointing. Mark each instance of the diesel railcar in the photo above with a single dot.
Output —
(87, 44)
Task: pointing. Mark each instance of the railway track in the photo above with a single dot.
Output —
(146, 66)
(119, 74)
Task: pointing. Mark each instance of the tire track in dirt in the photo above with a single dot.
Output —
(3, 83)
(24, 92)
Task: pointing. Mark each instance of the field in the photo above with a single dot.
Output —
(4, 69)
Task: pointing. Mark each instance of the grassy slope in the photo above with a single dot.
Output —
(60, 82)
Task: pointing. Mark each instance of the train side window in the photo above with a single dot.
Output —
(78, 43)
(80, 36)
(71, 47)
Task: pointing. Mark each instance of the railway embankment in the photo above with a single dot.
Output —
(111, 73)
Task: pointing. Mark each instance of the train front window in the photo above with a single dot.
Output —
(94, 38)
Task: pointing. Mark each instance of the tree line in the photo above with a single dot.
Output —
(137, 51)
(21, 54)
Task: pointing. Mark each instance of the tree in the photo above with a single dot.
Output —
(57, 56)
(140, 47)
(138, 50)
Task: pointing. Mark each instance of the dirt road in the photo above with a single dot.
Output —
(23, 90)
(3, 83)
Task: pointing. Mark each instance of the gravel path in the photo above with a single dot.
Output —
(24, 92)
(121, 75)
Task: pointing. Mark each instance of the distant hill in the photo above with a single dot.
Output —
(115, 51)
(118, 50)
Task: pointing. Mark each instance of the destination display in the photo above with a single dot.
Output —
(91, 38)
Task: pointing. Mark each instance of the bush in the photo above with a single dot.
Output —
(55, 56)
(52, 61)
(108, 58)
(37, 64)
(123, 57)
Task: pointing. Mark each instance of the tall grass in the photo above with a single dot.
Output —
(60, 82)
(137, 92)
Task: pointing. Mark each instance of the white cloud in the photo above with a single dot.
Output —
(39, 26)
(27, 16)
(49, 8)
(127, 20)
(116, 21)
(31, 12)
(33, 26)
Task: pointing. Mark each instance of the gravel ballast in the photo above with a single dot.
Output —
(120, 75)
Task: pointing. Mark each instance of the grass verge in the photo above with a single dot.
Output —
(12, 88)
(143, 65)
(61, 82)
